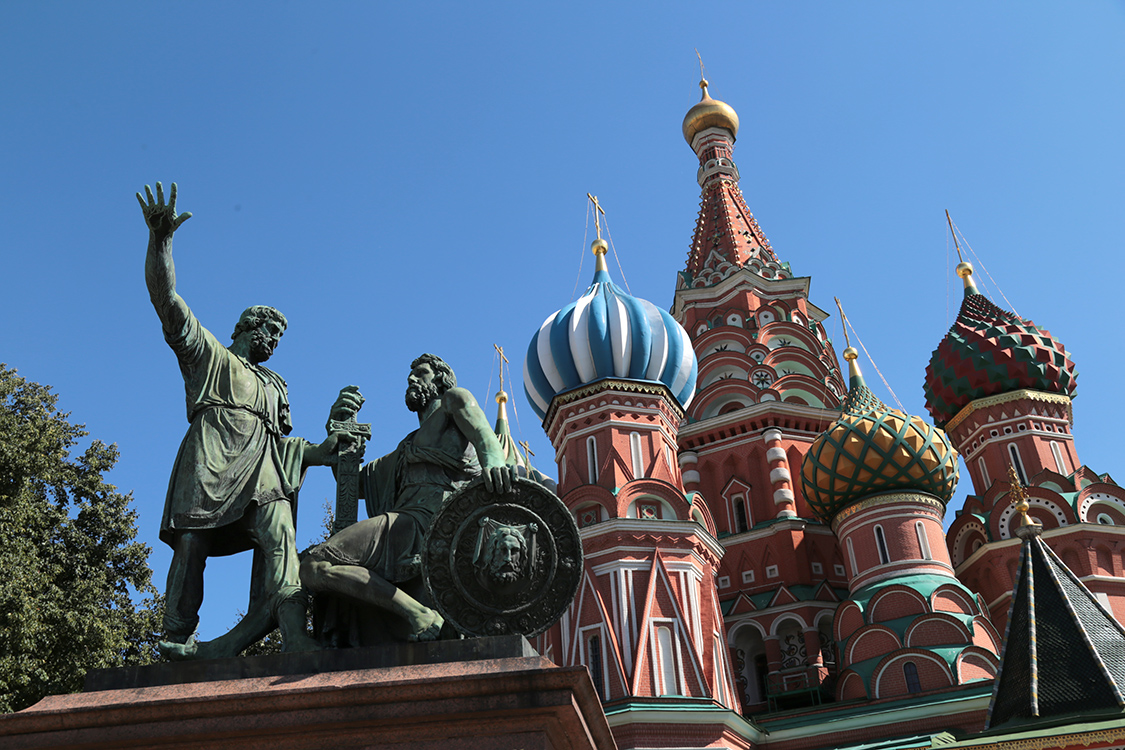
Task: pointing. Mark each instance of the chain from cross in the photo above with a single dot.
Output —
(598, 213)
(349, 458)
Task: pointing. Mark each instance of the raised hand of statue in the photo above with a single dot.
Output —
(347, 404)
(160, 217)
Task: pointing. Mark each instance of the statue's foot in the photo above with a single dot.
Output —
(220, 648)
(299, 643)
(427, 626)
(173, 651)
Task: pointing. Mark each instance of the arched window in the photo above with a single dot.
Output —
(741, 517)
(592, 459)
(635, 452)
(881, 546)
(720, 673)
(666, 663)
(594, 664)
(1014, 453)
(923, 542)
(910, 673)
(851, 557)
(1058, 458)
(983, 473)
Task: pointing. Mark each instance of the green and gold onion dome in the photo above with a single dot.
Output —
(872, 448)
(709, 113)
(989, 351)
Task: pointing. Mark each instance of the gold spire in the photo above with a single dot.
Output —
(965, 271)
(851, 354)
(964, 268)
(709, 113)
(502, 408)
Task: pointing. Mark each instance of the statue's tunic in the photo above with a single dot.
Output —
(235, 453)
(404, 490)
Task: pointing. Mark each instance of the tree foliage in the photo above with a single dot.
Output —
(70, 565)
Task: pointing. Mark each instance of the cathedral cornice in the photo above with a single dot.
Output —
(1004, 398)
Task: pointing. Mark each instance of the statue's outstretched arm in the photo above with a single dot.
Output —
(472, 422)
(160, 271)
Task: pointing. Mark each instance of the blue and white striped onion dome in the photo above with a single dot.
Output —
(607, 333)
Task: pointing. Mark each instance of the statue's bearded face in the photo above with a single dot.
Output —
(507, 558)
(263, 340)
(420, 388)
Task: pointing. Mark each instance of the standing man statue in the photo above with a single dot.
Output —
(234, 484)
(373, 560)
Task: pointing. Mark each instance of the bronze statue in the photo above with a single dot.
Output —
(371, 561)
(235, 480)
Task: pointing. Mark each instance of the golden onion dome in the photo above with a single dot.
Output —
(872, 448)
(709, 113)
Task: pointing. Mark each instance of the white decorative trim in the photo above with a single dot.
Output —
(780, 474)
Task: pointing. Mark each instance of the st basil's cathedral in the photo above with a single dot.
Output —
(766, 563)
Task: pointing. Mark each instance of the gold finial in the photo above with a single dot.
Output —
(852, 357)
(851, 354)
(703, 84)
(708, 113)
(1029, 526)
(965, 271)
(501, 406)
(598, 247)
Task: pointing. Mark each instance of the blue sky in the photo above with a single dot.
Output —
(411, 177)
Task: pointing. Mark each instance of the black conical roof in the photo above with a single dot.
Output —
(1063, 651)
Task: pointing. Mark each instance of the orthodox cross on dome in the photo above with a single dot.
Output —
(527, 450)
(503, 361)
(598, 213)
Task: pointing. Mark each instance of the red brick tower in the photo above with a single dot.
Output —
(611, 375)
(769, 383)
(1002, 388)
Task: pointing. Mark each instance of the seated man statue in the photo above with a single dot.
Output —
(367, 561)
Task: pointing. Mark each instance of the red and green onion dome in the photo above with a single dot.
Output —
(990, 351)
(872, 448)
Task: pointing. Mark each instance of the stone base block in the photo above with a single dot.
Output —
(452, 695)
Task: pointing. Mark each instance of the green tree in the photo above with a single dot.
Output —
(70, 565)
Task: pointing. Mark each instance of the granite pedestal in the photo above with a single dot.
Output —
(448, 695)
